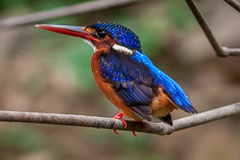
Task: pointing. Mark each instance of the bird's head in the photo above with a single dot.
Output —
(101, 35)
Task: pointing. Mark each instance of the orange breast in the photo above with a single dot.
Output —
(106, 87)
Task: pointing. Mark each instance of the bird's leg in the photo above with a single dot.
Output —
(119, 116)
(143, 126)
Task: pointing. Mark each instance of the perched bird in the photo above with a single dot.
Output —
(125, 75)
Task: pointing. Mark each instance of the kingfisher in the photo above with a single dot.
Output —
(125, 75)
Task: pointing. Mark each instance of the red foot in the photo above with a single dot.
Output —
(119, 116)
(134, 134)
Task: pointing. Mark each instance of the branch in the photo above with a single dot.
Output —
(66, 11)
(110, 123)
(235, 4)
(220, 51)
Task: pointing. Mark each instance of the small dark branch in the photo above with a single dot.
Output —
(206, 29)
(109, 123)
(220, 51)
(66, 11)
(235, 4)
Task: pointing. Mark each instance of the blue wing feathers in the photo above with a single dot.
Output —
(170, 86)
(131, 80)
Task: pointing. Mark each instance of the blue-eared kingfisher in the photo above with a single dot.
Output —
(125, 75)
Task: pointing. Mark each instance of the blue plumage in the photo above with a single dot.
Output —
(122, 34)
(122, 69)
(125, 75)
(171, 87)
(131, 80)
(127, 72)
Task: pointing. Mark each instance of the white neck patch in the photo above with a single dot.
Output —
(122, 49)
(90, 44)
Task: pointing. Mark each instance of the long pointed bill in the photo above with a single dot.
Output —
(77, 31)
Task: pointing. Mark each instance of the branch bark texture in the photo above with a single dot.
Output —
(235, 4)
(110, 123)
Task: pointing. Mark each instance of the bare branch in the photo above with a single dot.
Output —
(110, 123)
(235, 4)
(66, 11)
(231, 51)
(220, 51)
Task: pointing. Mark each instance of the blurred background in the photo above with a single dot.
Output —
(47, 72)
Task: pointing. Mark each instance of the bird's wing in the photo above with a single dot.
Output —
(172, 89)
(131, 80)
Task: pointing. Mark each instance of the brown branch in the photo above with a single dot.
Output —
(66, 11)
(235, 4)
(109, 123)
(220, 51)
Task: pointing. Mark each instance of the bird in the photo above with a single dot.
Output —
(125, 74)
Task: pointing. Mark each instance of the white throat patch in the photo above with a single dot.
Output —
(122, 49)
(90, 44)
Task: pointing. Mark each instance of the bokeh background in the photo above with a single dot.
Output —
(47, 72)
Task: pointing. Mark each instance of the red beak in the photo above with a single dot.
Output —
(77, 31)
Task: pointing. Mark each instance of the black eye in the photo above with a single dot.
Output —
(102, 34)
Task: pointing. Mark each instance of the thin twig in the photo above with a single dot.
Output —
(235, 4)
(205, 27)
(220, 51)
(109, 123)
(66, 11)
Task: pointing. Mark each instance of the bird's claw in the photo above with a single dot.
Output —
(119, 116)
